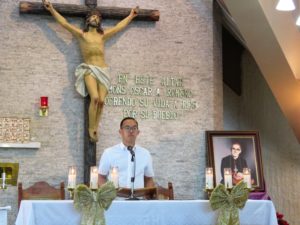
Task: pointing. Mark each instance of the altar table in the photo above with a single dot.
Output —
(3, 214)
(174, 212)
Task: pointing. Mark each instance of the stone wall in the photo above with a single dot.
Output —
(38, 57)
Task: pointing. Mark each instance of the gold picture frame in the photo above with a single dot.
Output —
(12, 171)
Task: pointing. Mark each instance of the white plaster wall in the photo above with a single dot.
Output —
(256, 109)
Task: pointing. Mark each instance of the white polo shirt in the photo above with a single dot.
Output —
(119, 156)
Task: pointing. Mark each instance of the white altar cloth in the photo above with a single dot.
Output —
(3, 214)
(177, 212)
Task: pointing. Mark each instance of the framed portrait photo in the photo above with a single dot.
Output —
(238, 151)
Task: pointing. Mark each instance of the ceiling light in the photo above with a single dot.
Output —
(285, 5)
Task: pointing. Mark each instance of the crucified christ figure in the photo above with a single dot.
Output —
(92, 76)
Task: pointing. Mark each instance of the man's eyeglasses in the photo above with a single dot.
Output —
(130, 129)
(236, 149)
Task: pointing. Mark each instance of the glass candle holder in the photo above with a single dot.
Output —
(44, 106)
(44, 101)
(247, 177)
(94, 177)
(3, 185)
(209, 178)
(72, 177)
(227, 177)
(114, 176)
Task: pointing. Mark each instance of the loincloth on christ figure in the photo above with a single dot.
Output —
(102, 75)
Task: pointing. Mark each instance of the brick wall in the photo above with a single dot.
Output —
(38, 57)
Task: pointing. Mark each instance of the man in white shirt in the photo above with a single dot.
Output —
(120, 156)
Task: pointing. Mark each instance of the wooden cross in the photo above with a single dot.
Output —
(81, 11)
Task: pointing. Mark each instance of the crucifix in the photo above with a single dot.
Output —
(82, 11)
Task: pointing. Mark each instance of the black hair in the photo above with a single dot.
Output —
(128, 118)
(236, 142)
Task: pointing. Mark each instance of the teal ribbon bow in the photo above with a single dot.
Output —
(229, 203)
(92, 204)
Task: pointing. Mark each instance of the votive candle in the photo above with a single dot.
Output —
(44, 101)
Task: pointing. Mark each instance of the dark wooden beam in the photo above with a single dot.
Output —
(91, 3)
(89, 147)
(82, 10)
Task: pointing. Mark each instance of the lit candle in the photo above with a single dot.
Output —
(3, 179)
(72, 177)
(94, 177)
(227, 177)
(209, 183)
(114, 176)
(44, 101)
(247, 177)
